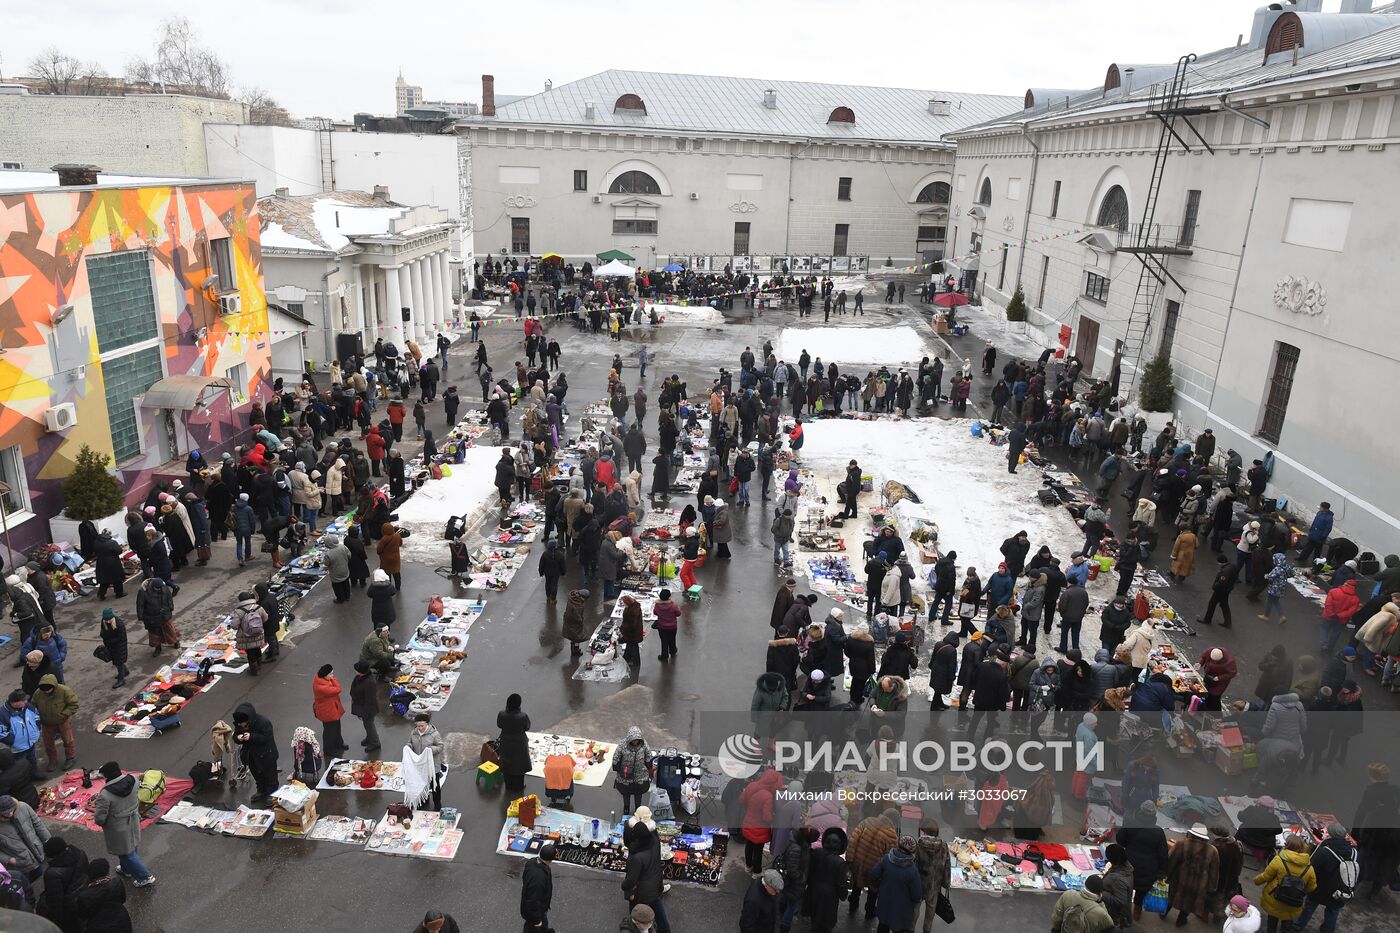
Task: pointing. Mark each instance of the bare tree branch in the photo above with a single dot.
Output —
(181, 62)
(58, 70)
(263, 108)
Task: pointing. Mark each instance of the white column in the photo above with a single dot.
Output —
(434, 284)
(406, 290)
(420, 302)
(370, 322)
(445, 264)
(390, 320)
(357, 306)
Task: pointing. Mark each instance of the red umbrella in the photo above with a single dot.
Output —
(950, 299)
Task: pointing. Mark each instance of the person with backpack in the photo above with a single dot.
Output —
(1082, 911)
(118, 812)
(249, 620)
(1335, 864)
(1287, 881)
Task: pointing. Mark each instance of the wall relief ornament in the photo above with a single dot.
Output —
(1008, 223)
(743, 207)
(1300, 295)
(519, 200)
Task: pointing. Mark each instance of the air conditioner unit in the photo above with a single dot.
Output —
(597, 199)
(61, 417)
(694, 196)
(231, 303)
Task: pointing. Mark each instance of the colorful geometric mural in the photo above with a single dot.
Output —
(50, 342)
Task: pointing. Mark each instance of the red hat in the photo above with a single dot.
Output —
(1001, 566)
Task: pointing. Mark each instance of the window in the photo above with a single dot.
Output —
(126, 378)
(843, 189)
(842, 115)
(843, 235)
(1044, 277)
(1001, 274)
(221, 263)
(1055, 199)
(931, 232)
(13, 475)
(520, 235)
(630, 102)
(1285, 35)
(936, 192)
(297, 307)
(1095, 286)
(635, 182)
(1188, 220)
(1169, 327)
(10, 165)
(238, 383)
(123, 302)
(984, 196)
(1113, 209)
(1013, 189)
(1280, 387)
(623, 226)
(580, 180)
(741, 238)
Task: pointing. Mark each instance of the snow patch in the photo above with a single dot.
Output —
(275, 236)
(898, 345)
(470, 491)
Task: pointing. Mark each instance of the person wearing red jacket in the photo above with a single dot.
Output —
(757, 800)
(1218, 668)
(374, 448)
(328, 709)
(605, 472)
(396, 413)
(1342, 603)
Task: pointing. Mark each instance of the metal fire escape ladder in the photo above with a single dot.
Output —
(327, 157)
(1147, 242)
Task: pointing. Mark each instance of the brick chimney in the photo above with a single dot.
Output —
(72, 175)
(381, 193)
(488, 95)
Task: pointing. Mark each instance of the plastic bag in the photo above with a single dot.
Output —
(690, 795)
(1158, 900)
(660, 802)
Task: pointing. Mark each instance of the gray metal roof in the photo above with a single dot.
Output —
(719, 105)
(1239, 68)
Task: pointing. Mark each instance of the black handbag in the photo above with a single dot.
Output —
(102, 654)
(944, 908)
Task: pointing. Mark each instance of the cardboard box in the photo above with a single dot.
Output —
(295, 821)
(1231, 761)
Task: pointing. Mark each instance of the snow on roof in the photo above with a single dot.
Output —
(715, 104)
(12, 180)
(327, 221)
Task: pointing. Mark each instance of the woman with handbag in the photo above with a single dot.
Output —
(631, 763)
(935, 865)
(114, 645)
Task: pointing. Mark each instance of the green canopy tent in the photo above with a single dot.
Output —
(612, 254)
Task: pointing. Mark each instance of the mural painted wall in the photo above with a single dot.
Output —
(57, 248)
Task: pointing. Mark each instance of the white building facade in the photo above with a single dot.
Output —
(1273, 228)
(665, 166)
(359, 268)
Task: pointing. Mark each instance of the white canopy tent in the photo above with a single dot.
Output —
(615, 269)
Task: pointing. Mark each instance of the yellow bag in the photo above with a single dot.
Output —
(514, 809)
(446, 471)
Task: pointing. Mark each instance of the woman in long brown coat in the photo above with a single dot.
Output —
(1184, 555)
(1193, 874)
(575, 627)
(1231, 864)
(631, 631)
(389, 548)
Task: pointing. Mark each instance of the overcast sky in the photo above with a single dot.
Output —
(334, 59)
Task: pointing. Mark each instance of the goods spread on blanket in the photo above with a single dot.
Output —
(493, 566)
(426, 834)
(1004, 866)
(592, 759)
(350, 830)
(68, 801)
(244, 821)
(696, 858)
(1178, 809)
(430, 678)
(349, 774)
(448, 632)
(526, 520)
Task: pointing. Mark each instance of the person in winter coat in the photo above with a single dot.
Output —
(859, 648)
(17, 774)
(828, 877)
(1275, 581)
(759, 912)
(118, 812)
(1218, 669)
(364, 703)
(1292, 860)
(631, 631)
(721, 531)
(537, 890)
(1184, 555)
(1331, 893)
(1275, 674)
(1032, 607)
(575, 626)
(514, 744)
(782, 601)
(668, 617)
(50, 644)
(249, 622)
(554, 563)
(390, 547)
(328, 709)
(56, 704)
(381, 594)
(868, 843)
(1284, 726)
(899, 886)
(1083, 910)
(899, 659)
(336, 557)
(793, 862)
(252, 732)
(943, 670)
(155, 607)
(783, 658)
(631, 764)
(98, 905)
(1338, 609)
(1193, 870)
(65, 871)
(1146, 845)
(1118, 886)
(110, 573)
(935, 865)
(758, 802)
(1072, 606)
(22, 839)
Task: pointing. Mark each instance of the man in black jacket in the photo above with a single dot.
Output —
(851, 489)
(943, 578)
(253, 733)
(537, 891)
(991, 689)
(1226, 576)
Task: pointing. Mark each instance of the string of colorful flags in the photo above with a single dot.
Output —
(978, 253)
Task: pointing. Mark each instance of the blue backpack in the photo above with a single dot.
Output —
(400, 700)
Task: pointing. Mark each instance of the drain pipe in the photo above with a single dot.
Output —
(329, 331)
(1030, 197)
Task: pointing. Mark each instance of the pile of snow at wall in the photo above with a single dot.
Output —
(962, 481)
(685, 314)
(895, 346)
(469, 491)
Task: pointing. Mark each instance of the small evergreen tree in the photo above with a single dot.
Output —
(90, 492)
(1016, 307)
(1156, 390)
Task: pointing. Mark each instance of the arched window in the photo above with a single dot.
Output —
(984, 196)
(842, 115)
(634, 183)
(1113, 79)
(630, 102)
(1113, 209)
(1284, 35)
(1030, 99)
(936, 192)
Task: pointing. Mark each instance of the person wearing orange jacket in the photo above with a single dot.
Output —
(374, 449)
(757, 800)
(328, 709)
(1341, 604)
